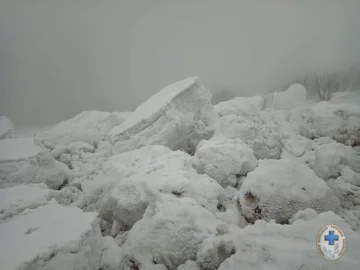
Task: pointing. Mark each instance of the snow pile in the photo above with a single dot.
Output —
(337, 121)
(294, 96)
(44, 237)
(21, 161)
(224, 160)
(6, 128)
(179, 116)
(88, 126)
(264, 142)
(277, 189)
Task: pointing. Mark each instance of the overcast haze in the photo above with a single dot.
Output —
(59, 58)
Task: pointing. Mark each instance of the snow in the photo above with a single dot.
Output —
(6, 128)
(182, 184)
(40, 233)
(179, 116)
(88, 126)
(277, 189)
(294, 96)
(18, 149)
(224, 159)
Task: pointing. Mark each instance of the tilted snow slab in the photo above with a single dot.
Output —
(6, 128)
(22, 161)
(277, 189)
(32, 240)
(88, 126)
(179, 116)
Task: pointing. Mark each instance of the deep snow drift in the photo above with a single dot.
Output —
(182, 184)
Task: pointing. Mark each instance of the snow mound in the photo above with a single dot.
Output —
(330, 158)
(264, 142)
(88, 126)
(340, 122)
(119, 193)
(33, 240)
(170, 232)
(179, 116)
(23, 162)
(274, 246)
(247, 107)
(277, 189)
(294, 96)
(6, 128)
(16, 199)
(224, 159)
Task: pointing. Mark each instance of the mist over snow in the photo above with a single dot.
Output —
(243, 161)
(59, 58)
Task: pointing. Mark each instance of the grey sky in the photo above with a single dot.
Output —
(59, 58)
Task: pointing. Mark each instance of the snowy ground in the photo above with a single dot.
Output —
(181, 184)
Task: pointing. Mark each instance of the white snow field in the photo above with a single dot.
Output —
(182, 184)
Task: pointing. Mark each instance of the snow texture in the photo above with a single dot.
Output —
(224, 159)
(6, 128)
(40, 234)
(89, 127)
(277, 189)
(179, 116)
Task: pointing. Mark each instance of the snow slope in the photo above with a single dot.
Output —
(6, 128)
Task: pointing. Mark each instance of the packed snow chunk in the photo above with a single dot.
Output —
(247, 107)
(274, 246)
(34, 239)
(277, 189)
(179, 116)
(304, 215)
(23, 162)
(88, 126)
(348, 194)
(6, 128)
(224, 159)
(340, 122)
(18, 149)
(264, 142)
(170, 232)
(189, 265)
(16, 199)
(332, 157)
(294, 96)
(78, 147)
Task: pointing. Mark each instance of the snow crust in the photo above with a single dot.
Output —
(179, 116)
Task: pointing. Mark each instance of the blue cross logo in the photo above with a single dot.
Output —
(331, 238)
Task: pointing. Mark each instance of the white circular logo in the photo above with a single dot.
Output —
(331, 242)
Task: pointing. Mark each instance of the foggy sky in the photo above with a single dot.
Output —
(58, 58)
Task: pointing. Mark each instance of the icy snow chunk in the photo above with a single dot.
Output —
(42, 233)
(224, 159)
(330, 159)
(277, 189)
(23, 162)
(170, 232)
(18, 149)
(88, 126)
(264, 142)
(6, 128)
(340, 122)
(15, 199)
(274, 246)
(179, 116)
(294, 96)
(247, 107)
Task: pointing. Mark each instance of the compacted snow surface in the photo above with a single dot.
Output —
(182, 184)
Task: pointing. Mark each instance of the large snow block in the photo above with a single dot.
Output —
(6, 128)
(23, 162)
(179, 116)
(277, 189)
(339, 121)
(88, 126)
(50, 237)
(294, 96)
